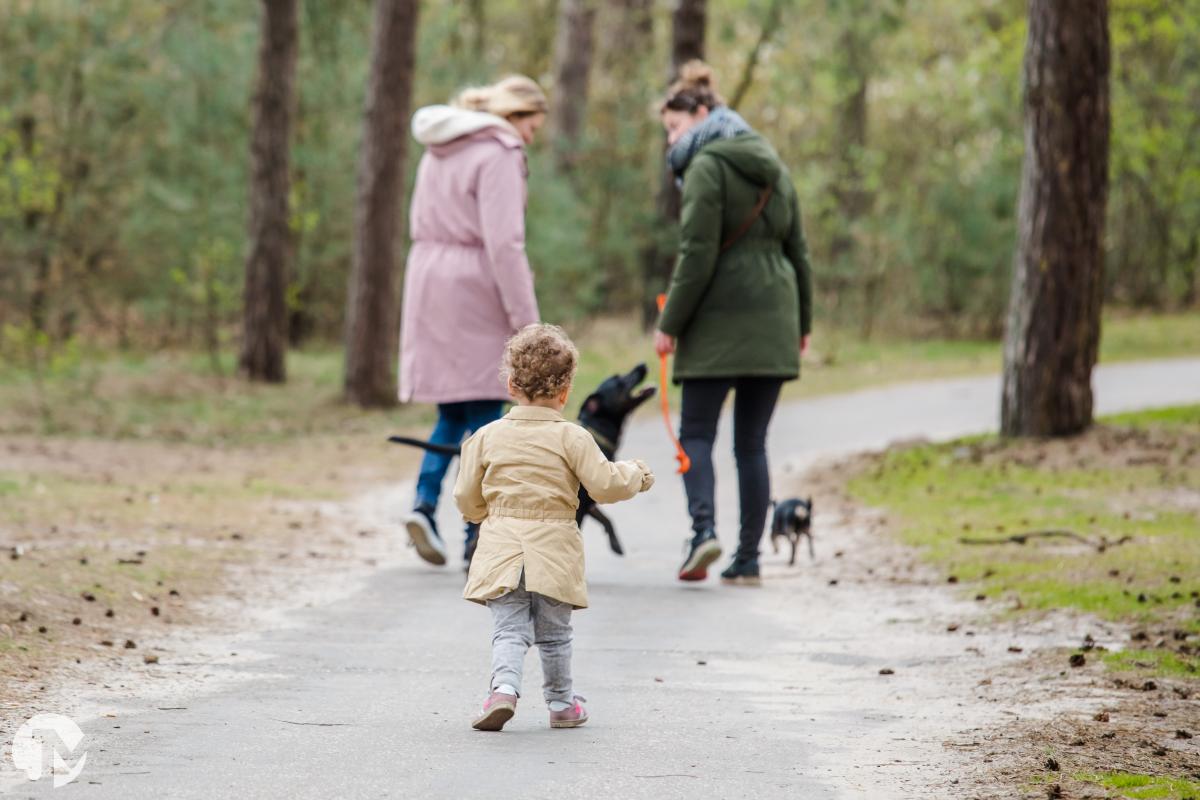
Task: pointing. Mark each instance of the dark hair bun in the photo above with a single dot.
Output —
(696, 86)
(698, 74)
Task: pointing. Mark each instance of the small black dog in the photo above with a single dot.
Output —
(792, 521)
(603, 415)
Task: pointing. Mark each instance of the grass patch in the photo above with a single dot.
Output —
(1138, 480)
(1143, 787)
(1155, 662)
(177, 396)
(1174, 416)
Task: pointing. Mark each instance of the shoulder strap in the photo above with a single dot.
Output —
(754, 215)
(763, 198)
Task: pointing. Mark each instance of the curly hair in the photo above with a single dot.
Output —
(540, 360)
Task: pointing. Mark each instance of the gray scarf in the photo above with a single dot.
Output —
(721, 123)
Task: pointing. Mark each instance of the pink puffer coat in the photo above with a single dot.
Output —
(467, 285)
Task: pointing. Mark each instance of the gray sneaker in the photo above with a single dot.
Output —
(422, 530)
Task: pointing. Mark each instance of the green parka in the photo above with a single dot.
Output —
(741, 312)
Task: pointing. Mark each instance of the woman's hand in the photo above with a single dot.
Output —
(664, 345)
(804, 344)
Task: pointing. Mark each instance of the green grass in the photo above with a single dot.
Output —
(177, 396)
(1144, 787)
(983, 488)
(1126, 338)
(1156, 662)
(1175, 416)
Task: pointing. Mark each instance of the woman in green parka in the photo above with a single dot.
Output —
(739, 308)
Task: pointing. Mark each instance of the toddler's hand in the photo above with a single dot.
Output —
(647, 475)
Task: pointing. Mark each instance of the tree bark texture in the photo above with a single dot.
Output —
(572, 70)
(264, 335)
(372, 301)
(1053, 330)
(689, 21)
(853, 201)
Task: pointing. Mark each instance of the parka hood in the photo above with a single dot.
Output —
(749, 154)
(441, 124)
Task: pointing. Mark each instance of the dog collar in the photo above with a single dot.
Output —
(600, 438)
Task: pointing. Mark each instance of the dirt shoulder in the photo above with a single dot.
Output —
(1110, 706)
(120, 558)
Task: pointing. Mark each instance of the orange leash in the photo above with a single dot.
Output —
(685, 463)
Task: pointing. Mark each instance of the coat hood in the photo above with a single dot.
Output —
(749, 154)
(438, 125)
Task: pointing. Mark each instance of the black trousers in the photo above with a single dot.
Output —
(754, 403)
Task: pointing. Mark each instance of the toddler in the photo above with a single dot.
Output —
(520, 477)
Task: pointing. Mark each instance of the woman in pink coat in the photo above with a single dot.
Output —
(467, 285)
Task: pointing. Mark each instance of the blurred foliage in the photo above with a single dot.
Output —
(124, 150)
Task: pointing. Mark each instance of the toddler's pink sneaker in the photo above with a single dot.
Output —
(497, 710)
(571, 717)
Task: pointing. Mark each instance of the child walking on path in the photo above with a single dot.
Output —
(519, 477)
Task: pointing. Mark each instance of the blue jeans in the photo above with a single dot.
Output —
(455, 422)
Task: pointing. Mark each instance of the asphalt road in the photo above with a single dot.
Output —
(695, 691)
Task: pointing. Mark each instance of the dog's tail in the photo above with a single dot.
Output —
(444, 449)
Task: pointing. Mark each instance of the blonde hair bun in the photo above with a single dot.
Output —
(514, 95)
(474, 99)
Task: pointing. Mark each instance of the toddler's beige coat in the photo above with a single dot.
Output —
(519, 477)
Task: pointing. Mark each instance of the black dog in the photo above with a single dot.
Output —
(792, 521)
(603, 415)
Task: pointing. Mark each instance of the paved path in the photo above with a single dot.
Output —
(696, 692)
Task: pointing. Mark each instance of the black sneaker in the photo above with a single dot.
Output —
(703, 550)
(422, 530)
(469, 546)
(742, 572)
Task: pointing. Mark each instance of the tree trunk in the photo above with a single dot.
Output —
(688, 24)
(572, 67)
(853, 201)
(264, 337)
(1054, 314)
(372, 323)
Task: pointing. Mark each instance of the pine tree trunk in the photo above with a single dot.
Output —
(1053, 331)
(372, 302)
(853, 201)
(572, 68)
(264, 335)
(688, 24)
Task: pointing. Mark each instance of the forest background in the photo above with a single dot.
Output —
(125, 133)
